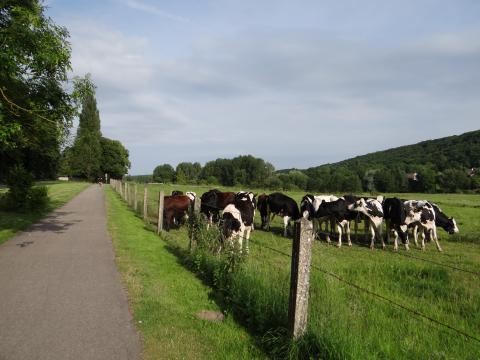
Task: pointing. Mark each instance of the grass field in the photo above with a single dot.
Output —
(59, 194)
(345, 322)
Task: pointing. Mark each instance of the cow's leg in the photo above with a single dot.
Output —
(380, 235)
(395, 242)
(248, 229)
(339, 229)
(387, 230)
(347, 225)
(372, 236)
(286, 222)
(435, 238)
(415, 235)
(423, 239)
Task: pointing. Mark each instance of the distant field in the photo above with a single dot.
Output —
(353, 324)
(59, 193)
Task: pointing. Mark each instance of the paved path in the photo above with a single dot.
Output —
(60, 293)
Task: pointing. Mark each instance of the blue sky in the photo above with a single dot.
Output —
(298, 83)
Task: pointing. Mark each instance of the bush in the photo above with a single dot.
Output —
(21, 195)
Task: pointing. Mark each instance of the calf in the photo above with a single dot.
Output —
(277, 204)
(395, 215)
(238, 219)
(177, 192)
(373, 212)
(339, 214)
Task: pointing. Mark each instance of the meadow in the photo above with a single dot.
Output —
(426, 303)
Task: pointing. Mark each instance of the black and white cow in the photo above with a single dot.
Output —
(422, 214)
(337, 211)
(277, 204)
(373, 212)
(238, 219)
(309, 206)
(395, 214)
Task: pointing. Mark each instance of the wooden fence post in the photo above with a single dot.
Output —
(135, 200)
(145, 203)
(300, 277)
(194, 213)
(161, 197)
(126, 192)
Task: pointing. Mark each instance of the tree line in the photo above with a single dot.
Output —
(443, 165)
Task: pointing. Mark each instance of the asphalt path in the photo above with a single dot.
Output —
(61, 295)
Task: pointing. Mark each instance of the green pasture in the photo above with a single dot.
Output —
(345, 322)
(59, 194)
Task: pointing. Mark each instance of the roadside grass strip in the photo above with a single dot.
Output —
(165, 297)
(59, 194)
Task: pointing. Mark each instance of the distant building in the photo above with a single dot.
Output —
(63, 178)
(412, 176)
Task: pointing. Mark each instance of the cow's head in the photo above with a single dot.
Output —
(191, 195)
(307, 209)
(451, 227)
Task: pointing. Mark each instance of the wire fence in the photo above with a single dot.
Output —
(135, 195)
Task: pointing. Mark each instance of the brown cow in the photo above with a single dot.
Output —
(175, 209)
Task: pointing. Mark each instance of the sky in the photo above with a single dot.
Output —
(297, 83)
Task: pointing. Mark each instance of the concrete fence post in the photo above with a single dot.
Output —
(145, 202)
(161, 198)
(300, 277)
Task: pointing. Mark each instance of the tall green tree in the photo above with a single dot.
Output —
(164, 173)
(114, 160)
(86, 154)
(36, 111)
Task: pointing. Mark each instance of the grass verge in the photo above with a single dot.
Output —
(165, 297)
(59, 194)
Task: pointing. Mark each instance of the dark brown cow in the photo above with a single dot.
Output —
(214, 201)
(175, 209)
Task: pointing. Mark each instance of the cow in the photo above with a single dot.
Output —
(213, 201)
(337, 211)
(373, 212)
(175, 209)
(277, 204)
(395, 214)
(441, 220)
(309, 206)
(238, 219)
(422, 214)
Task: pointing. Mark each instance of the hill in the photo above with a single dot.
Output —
(435, 165)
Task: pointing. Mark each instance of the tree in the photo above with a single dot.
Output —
(36, 111)
(164, 173)
(453, 180)
(114, 158)
(187, 172)
(87, 151)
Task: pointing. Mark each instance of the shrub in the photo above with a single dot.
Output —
(21, 195)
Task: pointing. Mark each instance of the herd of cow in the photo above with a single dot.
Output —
(335, 213)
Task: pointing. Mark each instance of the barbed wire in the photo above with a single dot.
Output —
(378, 296)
